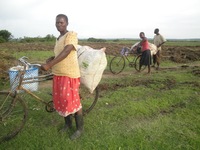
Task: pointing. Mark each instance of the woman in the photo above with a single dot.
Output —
(66, 79)
(146, 53)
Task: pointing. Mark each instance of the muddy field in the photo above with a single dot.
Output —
(177, 54)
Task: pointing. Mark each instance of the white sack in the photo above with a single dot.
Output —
(92, 63)
(152, 47)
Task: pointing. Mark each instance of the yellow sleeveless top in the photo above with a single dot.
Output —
(68, 66)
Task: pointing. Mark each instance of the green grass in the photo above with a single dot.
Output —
(134, 111)
(39, 56)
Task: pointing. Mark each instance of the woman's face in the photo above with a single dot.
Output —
(141, 35)
(61, 24)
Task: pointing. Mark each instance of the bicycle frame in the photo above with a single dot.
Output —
(21, 80)
(118, 63)
(27, 81)
(13, 109)
(126, 52)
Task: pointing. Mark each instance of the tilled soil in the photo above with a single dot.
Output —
(178, 54)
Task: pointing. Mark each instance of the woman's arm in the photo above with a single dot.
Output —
(67, 49)
(50, 59)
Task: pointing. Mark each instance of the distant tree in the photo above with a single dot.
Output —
(116, 40)
(95, 40)
(91, 39)
(50, 37)
(5, 36)
(2, 40)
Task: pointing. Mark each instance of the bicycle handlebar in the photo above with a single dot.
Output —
(24, 61)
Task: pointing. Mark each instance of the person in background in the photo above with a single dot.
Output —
(146, 53)
(158, 40)
(66, 79)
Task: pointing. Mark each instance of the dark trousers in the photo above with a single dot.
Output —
(156, 58)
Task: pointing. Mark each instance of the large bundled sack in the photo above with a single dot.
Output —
(152, 47)
(92, 63)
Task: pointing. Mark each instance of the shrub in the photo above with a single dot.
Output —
(96, 40)
(5, 36)
(2, 40)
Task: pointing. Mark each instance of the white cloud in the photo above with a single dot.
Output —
(102, 19)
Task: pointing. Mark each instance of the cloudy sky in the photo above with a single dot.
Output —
(102, 18)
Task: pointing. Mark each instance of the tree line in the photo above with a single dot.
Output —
(6, 36)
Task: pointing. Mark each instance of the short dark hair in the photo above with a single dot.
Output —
(63, 16)
(142, 33)
(156, 30)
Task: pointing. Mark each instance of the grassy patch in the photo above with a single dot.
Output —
(39, 56)
(134, 111)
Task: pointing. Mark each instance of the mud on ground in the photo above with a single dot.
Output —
(178, 54)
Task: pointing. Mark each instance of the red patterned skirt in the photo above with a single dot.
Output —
(66, 95)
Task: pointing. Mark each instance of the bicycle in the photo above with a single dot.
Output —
(118, 63)
(13, 109)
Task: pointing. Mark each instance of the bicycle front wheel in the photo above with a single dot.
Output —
(117, 64)
(88, 100)
(13, 115)
(137, 64)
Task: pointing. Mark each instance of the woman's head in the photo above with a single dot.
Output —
(142, 34)
(61, 23)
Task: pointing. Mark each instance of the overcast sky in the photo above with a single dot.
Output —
(102, 18)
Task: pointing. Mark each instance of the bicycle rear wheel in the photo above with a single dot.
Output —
(88, 100)
(137, 63)
(117, 64)
(13, 115)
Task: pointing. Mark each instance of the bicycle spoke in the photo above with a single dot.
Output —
(117, 64)
(137, 64)
(13, 114)
(88, 99)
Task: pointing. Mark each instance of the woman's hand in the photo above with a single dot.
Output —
(45, 67)
(50, 59)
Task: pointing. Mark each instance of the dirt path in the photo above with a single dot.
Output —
(195, 70)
